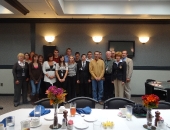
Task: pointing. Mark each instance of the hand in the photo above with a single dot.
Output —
(63, 79)
(60, 80)
(27, 79)
(128, 80)
(36, 82)
(47, 75)
(99, 78)
(78, 81)
(112, 82)
(51, 77)
(17, 82)
(103, 78)
(89, 80)
(123, 83)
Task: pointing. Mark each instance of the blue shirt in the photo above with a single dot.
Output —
(66, 58)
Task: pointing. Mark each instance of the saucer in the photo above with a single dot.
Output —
(89, 118)
(81, 125)
(31, 126)
(49, 118)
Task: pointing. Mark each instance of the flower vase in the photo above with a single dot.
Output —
(55, 124)
(149, 118)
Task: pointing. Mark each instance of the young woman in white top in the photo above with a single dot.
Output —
(49, 71)
(61, 72)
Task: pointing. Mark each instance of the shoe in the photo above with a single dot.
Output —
(101, 103)
(16, 104)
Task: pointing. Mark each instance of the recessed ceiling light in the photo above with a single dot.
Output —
(4, 10)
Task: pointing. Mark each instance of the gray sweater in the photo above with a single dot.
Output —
(72, 69)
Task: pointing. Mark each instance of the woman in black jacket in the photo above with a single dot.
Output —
(119, 75)
(21, 76)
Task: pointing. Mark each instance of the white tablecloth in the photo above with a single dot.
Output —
(100, 114)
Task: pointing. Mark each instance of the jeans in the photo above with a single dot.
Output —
(97, 85)
(35, 87)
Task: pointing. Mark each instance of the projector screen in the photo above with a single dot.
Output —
(129, 46)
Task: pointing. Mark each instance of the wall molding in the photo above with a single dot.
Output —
(73, 20)
(134, 68)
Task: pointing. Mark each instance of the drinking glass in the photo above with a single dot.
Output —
(161, 125)
(97, 125)
(129, 112)
(10, 121)
(25, 125)
(1, 126)
(72, 108)
(37, 111)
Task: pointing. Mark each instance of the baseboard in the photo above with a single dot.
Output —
(6, 94)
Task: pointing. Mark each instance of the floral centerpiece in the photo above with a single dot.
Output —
(56, 96)
(150, 101)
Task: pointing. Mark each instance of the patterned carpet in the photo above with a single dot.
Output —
(7, 103)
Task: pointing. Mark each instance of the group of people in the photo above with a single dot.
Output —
(104, 78)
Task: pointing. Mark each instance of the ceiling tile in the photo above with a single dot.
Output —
(38, 6)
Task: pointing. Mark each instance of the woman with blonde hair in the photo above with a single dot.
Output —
(21, 76)
(72, 69)
(119, 75)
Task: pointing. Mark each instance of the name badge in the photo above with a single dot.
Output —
(23, 74)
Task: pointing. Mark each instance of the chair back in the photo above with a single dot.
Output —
(82, 102)
(44, 102)
(116, 103)
(163, 105)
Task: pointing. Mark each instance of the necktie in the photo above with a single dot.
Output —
(83, 65)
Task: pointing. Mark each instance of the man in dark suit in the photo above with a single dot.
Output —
(83, 75)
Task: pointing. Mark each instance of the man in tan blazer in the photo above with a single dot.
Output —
(129, 71)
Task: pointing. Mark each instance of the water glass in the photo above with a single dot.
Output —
(129, 112)
(25, 125)
(97, 125)
(161, 125)
(2, 126)
(72, 108)
(37, 111)
(10, 121)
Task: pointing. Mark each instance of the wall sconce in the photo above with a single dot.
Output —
(143, 40)
(97, 39)
(49, 39)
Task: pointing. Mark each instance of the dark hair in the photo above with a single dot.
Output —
(41, 57)
(68, 49)
(77, 53)
(55, 50)
(60, 60)
(96, 51)
(26, 53)
(89, 52)
(83, 55)
(49, 55)
(35, 55)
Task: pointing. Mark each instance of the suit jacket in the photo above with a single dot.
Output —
(129, 67)
(119, 71)
(83, 74)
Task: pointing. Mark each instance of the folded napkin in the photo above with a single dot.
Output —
(4, 120)
(139, 109)
(43, 111)
(86, 110)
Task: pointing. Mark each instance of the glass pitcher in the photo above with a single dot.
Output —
(25, 125)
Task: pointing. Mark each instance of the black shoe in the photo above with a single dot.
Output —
(16, 104)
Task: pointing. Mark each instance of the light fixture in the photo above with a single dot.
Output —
(97, 39)
(49, 38)
(143, 40)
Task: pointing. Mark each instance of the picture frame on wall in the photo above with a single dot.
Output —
(129, 46)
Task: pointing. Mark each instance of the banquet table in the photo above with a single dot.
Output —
(100, 114)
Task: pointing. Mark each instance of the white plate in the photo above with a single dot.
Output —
(89, 118)
(81, 125)
(35, 126)
(49, 118)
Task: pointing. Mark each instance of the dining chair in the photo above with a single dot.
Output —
(82, 102)
(46, 103)
(117, 102)
(163, 105)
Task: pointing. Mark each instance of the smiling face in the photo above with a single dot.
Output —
(124, 54)
(96, 55)
(71, 59)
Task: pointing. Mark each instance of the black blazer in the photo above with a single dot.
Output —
(119, 71)
(83, 75)
(18, 70)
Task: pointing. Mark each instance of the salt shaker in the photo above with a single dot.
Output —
(64, 124)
